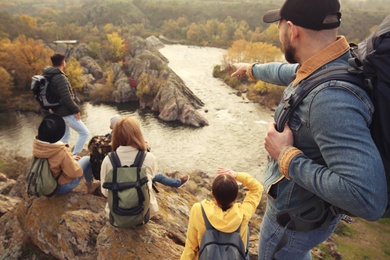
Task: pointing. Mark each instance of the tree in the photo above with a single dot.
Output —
(6, 84)
(193, 32)
(74, 73)
(148, 86)
(271, 35)
(114, 48)
(24, 58)
(243, 51)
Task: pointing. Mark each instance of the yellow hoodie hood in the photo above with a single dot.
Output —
(226, 221)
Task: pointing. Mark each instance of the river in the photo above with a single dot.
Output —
(233, 139)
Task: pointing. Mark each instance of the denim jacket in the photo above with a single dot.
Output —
(340, 162)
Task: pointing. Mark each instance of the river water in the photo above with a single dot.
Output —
(233, 139)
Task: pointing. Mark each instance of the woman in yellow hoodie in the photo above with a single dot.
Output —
(223, 213)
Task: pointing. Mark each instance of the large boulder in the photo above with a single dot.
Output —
(153, 41)
(80, 51)
(92, 67)
(175, 101)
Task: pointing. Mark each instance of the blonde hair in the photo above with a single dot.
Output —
(127, 132)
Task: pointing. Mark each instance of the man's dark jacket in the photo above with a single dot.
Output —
(62, 88)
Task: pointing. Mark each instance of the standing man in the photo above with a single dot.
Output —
(68, 108)
(325, 160)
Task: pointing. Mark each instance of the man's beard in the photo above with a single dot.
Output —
(289, 54)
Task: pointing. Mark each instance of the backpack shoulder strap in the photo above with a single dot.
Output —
(139, 159)
(206, 220)
(115, 161)
(342, 73)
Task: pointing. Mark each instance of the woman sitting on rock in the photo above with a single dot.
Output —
(66, 168)
(127, 140)
(223, 213)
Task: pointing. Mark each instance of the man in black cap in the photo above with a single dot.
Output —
(324, 162)
(65, 168)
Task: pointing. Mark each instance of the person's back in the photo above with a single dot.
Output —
(223, 213)
(66, 168)
(126, 142)
(62, 88)
(68, 108)
(46, 145)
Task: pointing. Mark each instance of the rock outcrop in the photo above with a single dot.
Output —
(92, 67)
(177, 102)
(75, 226)
(173, 100)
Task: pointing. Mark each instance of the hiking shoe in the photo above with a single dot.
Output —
(184, 180)
(92, 186)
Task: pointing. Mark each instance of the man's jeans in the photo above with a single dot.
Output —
(161, 178)
(87, 170)
(299, 243)
(80, 128)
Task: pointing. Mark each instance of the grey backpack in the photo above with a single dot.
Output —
(217, 245)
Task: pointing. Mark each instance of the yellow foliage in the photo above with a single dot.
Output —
(261, 87)
(147, 87)
(6, 84)
(29, 21)
(75, 73)
(116, 46)
(193, 32)
(109, 28)
(243, 51)
(102, 93)
(24, 58)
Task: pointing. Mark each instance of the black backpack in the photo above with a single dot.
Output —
(99, 146)
(370, 69)
(218, 245)
(43, 93)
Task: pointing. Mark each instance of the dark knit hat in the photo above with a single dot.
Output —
(51, 129)
(308, 14)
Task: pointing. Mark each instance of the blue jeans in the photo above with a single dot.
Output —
(87, 170)
(68, 187)
(299, 243)
(80, 128)
(161, 178)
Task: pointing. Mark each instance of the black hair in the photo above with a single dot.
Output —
(225, 190)
(57, 59)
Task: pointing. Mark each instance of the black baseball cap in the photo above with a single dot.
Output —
(309, 14)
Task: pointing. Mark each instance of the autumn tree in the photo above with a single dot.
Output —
(148, 86)
(75, 73)
(23, 58)
(243, 51)
(193, 32)
(114, 48)
(6, 84)
(271, 35)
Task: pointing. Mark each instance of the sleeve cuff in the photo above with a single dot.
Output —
(285, 158)
(249, 71)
